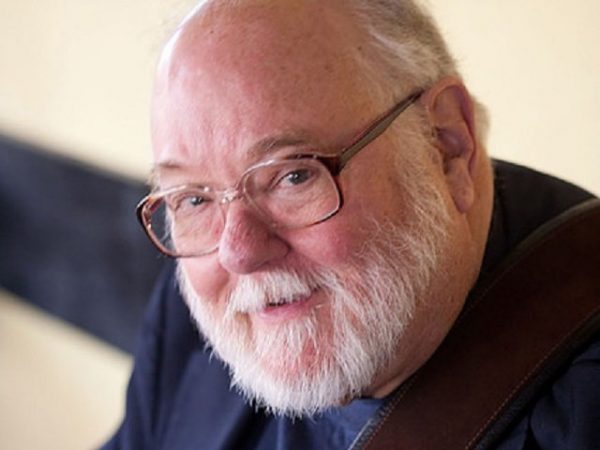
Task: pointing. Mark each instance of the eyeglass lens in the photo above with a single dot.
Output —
(286, 193)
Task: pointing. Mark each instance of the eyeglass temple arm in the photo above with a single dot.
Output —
(373, 132)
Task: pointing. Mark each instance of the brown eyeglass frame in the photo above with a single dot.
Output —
(333, 163)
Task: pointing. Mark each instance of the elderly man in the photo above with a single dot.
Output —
(321, 180)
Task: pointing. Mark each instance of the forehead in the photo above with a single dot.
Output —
(232, 77)
(265, 38)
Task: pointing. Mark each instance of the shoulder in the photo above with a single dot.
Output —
(170, 336)
(528, 198)
(524, 200)
(178, 393)
(168, 345)
(567, 412)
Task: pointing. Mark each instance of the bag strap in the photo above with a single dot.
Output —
(523, 325)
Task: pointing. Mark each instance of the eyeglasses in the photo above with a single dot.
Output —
(292, 192)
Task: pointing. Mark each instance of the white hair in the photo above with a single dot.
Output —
(406, 51)
(406, 45)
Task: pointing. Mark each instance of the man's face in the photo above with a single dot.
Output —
(305, 318)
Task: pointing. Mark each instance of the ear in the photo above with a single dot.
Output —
(450, 112)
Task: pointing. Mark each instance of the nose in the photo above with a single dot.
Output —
(248, 243)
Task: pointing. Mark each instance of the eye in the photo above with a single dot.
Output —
(285, 178)
(193, 201)
(296, 177)
(188, 202)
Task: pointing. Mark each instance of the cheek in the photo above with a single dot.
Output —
(332, 243)
(337, 241)
(206, 277)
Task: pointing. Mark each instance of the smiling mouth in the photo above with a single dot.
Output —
(288, 301)
(290, 307)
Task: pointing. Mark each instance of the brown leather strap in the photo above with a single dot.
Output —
(541, 305)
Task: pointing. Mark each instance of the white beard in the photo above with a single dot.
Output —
(301, 367)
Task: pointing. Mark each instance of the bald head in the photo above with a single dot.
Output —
(395, 43)
(257, 42)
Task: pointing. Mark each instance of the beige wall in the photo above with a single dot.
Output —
(76, 76)
(60, 389)
(536, 64)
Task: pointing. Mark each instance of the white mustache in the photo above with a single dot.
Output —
(253, 295)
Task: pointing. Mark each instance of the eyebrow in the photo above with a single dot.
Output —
(257, 151)
(271, 144)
